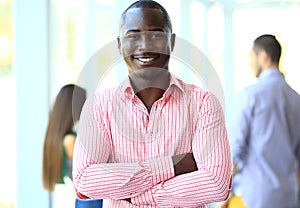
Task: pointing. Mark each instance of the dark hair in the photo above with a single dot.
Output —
(65, 112)
(269, 44)
(149, 4)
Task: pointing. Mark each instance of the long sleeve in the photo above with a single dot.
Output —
(264, 142)
(94, 176)
(211, 150)
(123, 151)
(240, 128)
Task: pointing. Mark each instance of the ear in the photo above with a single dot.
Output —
(173, 37)
(263, 57)
(119, 44)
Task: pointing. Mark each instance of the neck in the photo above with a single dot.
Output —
(270, 65)
(149, 96)
(150, 91)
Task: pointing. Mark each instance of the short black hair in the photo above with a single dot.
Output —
(269, 44)
(149, 4)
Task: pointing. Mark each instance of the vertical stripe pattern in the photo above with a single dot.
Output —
(122, 151)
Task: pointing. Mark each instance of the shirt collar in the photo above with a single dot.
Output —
(125, 88)
(175, 83)
(269, 73)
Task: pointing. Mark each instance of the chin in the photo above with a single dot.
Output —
(150, 73)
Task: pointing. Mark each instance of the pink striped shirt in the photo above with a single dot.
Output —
(122, 151)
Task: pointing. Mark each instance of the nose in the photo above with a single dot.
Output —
(145, 43)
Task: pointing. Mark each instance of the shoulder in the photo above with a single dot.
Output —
(196, 94)
(68, 143)
(248, 99)
(100, 99)
(99, 105)
(199, 94)
(201, 98)
(249, 93)
(69, 139)
(104, 95)
(190, 90)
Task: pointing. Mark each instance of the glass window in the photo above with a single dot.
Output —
(215, 39)
(5, 38)
(7, 108)
(68, 46)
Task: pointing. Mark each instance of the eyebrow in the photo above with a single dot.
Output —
(151, 30)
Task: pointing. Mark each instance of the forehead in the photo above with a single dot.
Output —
(143, 19)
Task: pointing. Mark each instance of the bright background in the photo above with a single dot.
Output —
(44, 44)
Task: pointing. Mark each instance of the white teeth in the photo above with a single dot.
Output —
(145, 60)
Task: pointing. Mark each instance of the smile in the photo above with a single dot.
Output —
(146, 59)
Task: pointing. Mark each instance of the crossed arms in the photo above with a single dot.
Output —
(186, 180)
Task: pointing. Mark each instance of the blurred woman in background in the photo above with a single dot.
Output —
(59, 143)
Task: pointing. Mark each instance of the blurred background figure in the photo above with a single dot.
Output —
(265, 134)
(59, 143)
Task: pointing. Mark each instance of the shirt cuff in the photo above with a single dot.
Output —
(145, 198)
(162, 169)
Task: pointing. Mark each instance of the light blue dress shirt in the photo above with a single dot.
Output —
(265, 142)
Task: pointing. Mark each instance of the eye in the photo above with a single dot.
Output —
(133, 36)
(157, 35)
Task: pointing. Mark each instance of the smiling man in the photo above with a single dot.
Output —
(146, 41)
(154, 141)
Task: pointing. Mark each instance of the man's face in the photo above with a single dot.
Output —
(145, 41)
(254, 63)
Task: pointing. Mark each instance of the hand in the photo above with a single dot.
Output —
(224, 204)
(128, 200)
(184, 163)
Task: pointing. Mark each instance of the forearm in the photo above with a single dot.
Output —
(183, 163)
(113, 181)
(119, 180)
(210, 183)
(188, 190)
(125, 180)
(94, 176)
